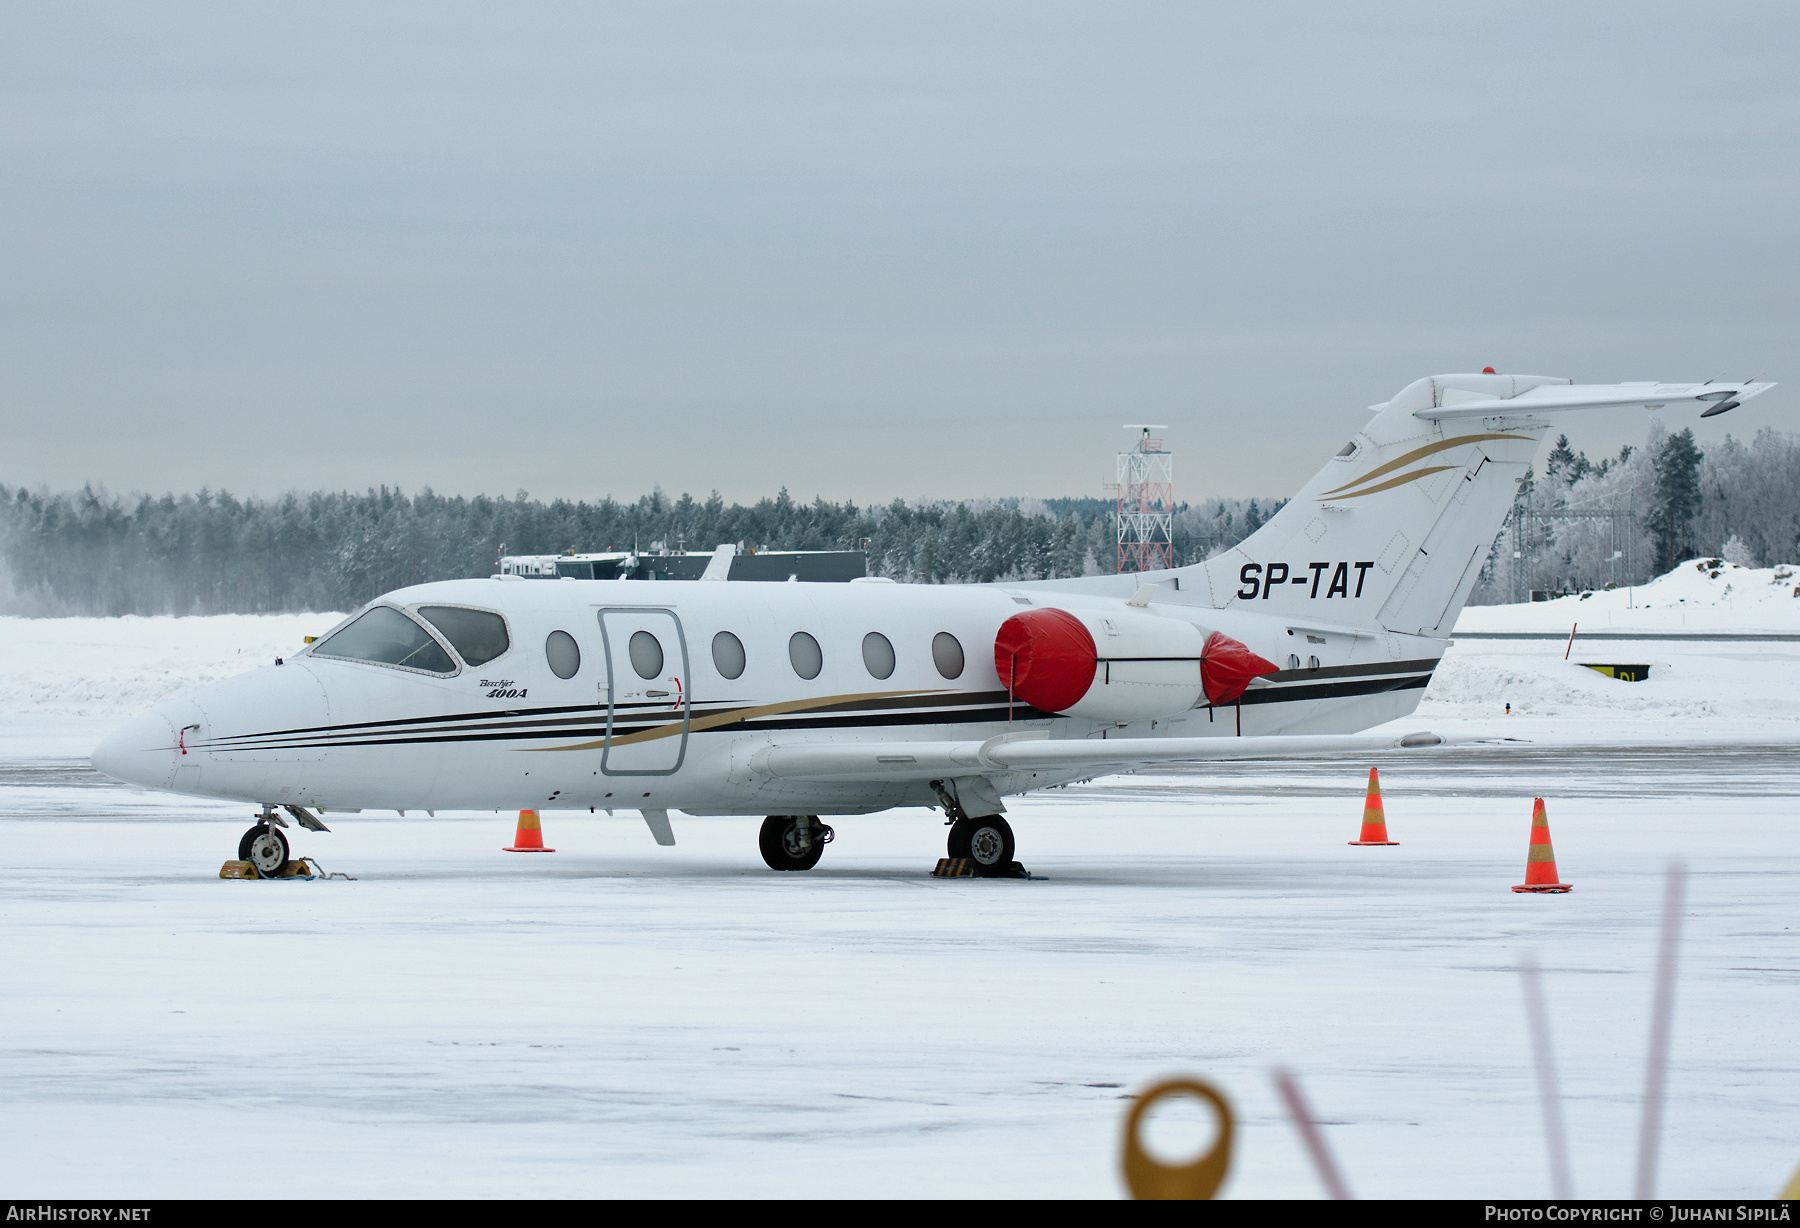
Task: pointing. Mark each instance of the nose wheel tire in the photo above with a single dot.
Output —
(793, 842)
(987, 843)
(265, 848)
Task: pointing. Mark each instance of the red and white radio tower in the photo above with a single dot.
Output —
(1146, 503)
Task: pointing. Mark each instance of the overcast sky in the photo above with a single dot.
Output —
(861, 250)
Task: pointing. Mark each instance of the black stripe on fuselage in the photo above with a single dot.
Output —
(1333, 690)
(1353, 671)
(593, 724)
(832, 717)
(589, 712)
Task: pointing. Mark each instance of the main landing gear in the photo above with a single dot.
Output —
(265, 847)
(793, 841)
(987, 843)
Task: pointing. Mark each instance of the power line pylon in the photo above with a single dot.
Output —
(1146, 512)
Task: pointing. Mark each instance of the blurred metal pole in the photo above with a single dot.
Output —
(1302, 1118)
(1662, 1017)
(1549, 1096)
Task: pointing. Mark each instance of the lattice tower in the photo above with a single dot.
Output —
(1146, 511)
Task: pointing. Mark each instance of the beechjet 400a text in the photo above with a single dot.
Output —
(796, 701)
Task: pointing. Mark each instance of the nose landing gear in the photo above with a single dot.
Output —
(793, 841)
(264, 847)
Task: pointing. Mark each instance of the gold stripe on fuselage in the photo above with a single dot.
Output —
(719, 719)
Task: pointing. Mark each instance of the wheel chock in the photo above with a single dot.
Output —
(299, 867)
(964, 867)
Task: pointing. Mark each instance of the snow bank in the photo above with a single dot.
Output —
(106, 669)
(1743, 684)
(1698, 595)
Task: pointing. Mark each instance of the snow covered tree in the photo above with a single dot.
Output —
(1676, 499)
(1735, 551)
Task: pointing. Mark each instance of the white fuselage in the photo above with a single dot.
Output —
(510, 734)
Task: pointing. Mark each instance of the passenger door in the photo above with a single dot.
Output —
(647, 686)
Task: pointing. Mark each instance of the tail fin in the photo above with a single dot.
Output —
(1393, 532)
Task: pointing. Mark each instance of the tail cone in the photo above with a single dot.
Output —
(1540, 862)
(1374, 828)
(530, 836)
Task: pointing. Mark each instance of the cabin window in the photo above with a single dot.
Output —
(1312, 663)
(385, 636)
(1293, 661)
(878, 655)
(728, 655)
(646, 655)
(477, 635)
(803, 652)
(947, 654)
(563, 654)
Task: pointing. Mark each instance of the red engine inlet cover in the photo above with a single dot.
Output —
(1045, 658)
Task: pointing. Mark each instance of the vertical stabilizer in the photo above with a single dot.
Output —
(1393, 532)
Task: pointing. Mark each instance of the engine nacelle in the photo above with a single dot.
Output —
(1119, 666)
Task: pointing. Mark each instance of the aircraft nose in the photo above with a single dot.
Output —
(142, 751)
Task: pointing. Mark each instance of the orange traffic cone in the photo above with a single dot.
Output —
(1374, 829)
(1540, 862)
(530, 837)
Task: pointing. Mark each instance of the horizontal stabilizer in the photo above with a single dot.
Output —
(1008, 753)
(1713, 397)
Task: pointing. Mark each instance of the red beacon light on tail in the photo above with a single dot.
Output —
(1123, 666)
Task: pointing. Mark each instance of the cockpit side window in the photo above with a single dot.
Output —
(477, 635)
(385, 636)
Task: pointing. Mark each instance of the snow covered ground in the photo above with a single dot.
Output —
(65, 681)
(1697, 596)
(618, 1018)
(1698, 689)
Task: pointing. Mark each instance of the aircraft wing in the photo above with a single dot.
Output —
(1013, 753)
(1715, 397)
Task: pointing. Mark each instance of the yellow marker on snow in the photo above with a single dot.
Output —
(1149, 1178)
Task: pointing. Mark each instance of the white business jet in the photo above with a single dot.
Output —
(796, 701)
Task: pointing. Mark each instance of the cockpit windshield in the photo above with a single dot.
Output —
(387, 637)
(477, 635)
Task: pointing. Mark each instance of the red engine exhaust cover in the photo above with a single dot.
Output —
(1045, 658)
(1227, 666)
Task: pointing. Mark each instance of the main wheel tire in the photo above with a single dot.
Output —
(956, 842)
(264, 847)
(781, 846)
(990, 844)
